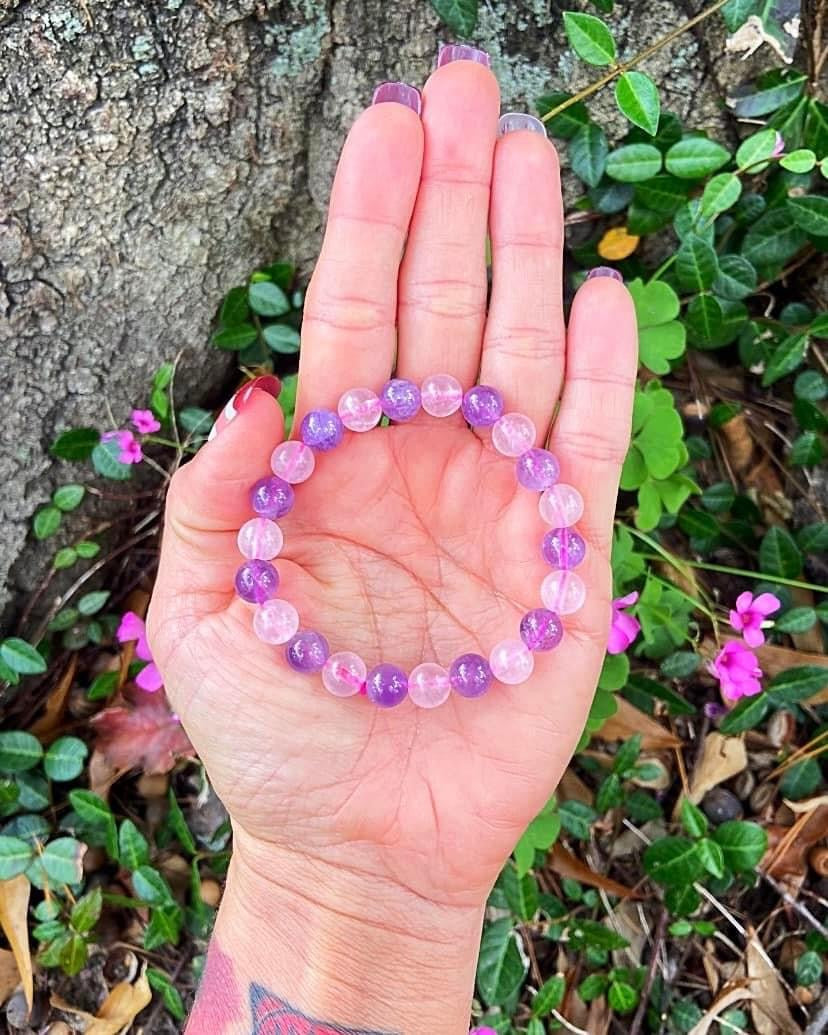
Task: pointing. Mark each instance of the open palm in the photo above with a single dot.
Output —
(413, 542)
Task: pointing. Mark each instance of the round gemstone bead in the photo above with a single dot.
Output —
(561, 506)
(271, 497)
(307, 651)
(537, 469)
(276, 621)
(260, 539)
(563, 592)
(360, 409)
(322, 430)
(293, 461)
(343, 674)
(400, 399)
(428, 685)
(482, 406)
(442, 395)
(513, 434)
(257, 581)
(541, 629)
(470, 675)
(563, 548)
(387, 685)
(511, 662)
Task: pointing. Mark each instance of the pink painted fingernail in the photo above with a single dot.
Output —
(605, 271)
(398, 93)
(461, 52)
(514, 121)
(267, 383)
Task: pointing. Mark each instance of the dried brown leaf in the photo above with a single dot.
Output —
(564, 863)
(118, 1011)
(727, 998)
(629, 720)
(788, 846)
(769, 1005)
(14, 907)
(47, 725)
(722, 757)
(9, 974)
(573, 788)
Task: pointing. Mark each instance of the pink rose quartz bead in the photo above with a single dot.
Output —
(442, 395)
(428, 685)
(513, 434)
(561, 506)
(511, 662)
(293, 461)
(343, 674)
(359, 409)
(260, 539)
(563, 592)
(276, 621)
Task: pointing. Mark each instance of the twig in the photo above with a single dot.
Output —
(658, 938)
(819, 1021)
(796, 906)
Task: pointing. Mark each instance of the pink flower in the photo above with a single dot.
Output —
(779, 145)
(129, 448)
(624, 628)
(482, 1031)
(144, 421)
(133, 627)
(738, 671)
(750, 614)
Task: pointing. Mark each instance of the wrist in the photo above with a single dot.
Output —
(347, 947)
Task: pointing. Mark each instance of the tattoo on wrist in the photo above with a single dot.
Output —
(274, 1016)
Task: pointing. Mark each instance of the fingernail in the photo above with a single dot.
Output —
(605, 271)
(461, 52)
(513, 121)
(267, 383)
(398, 93)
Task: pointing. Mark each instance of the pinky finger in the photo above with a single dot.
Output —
(592, 432)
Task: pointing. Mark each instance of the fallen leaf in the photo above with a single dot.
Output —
(142, 733)
(573, 788)
(118, 1011)
(52, 716)
(617, 243)
(774, 660)
(769, 1005)
(722, 757)
(807, 804)
(788, 847)
(14, 907)
(102, 775)
(628, 721)
(738, 442)
(9, 974)
(564, 863)
(727, 997)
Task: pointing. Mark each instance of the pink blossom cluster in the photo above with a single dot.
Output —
(129, 448)
(736, 666)
(624, 628)
(133, 628)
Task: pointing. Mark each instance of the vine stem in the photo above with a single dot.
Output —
(625, 66)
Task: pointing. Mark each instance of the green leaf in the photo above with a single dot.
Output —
(807, 450)
(682, 901)
(86, 911)
(779, 554)
(501, 967)
(773, 239)
(786, 357)
(62, 861)
(19, 751)
(593, 986)
(813, 538)
(150, 887)
(164, 927)
(281, 338)
(521, 893)
(65, 558)
(15, 856)
(588, 150)
(91, 603)
(585, 933)
(693, 819)
(743, 844)
(64, 759)
(800, 161)
(567, 123)
(662, 193)
(736, 278)
(696, 264)
(712, 857)
(34, 791)
(801, 780)
(76, 444)
(234, 308)
(718, 498)
(637, 98)
(590, 38)
(680, 665)
(747, 714)
(693, 158)
(737, 12)
(73, 955)
(771, 92)
(661, 336)
(634, 163)
(614, 672)
(103, 685)
(459, 15)
(721, 193)
(704, 321)
(46, 522)
(133, 847)
(622, 997)
(268, 299)
(235, 338)
(549, 996)
(576, 818)
(754, 152)
(22, 657)
(810, 212)
(809, 968)
(193, 419)
(95, 812)
(67, 497)
(87, 549)
(179, 825)
(797, 620)
(627, 755)
(106, 463)
(162, 983)
(673, 861)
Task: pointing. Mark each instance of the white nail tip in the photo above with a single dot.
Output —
(514, 121)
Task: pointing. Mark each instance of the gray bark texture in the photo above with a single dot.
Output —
(153, 152)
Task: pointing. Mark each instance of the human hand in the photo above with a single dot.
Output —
(413, 542)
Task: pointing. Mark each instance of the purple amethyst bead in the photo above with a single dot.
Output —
(272, 497)
(470, 675)
(400, 399)
(537, 469)
(307, 651)
(563, 548)
(322, 430)
(257, 581)
(386, 685)
(541, 629)
(482, 406)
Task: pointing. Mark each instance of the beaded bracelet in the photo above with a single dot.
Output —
(275, 621)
